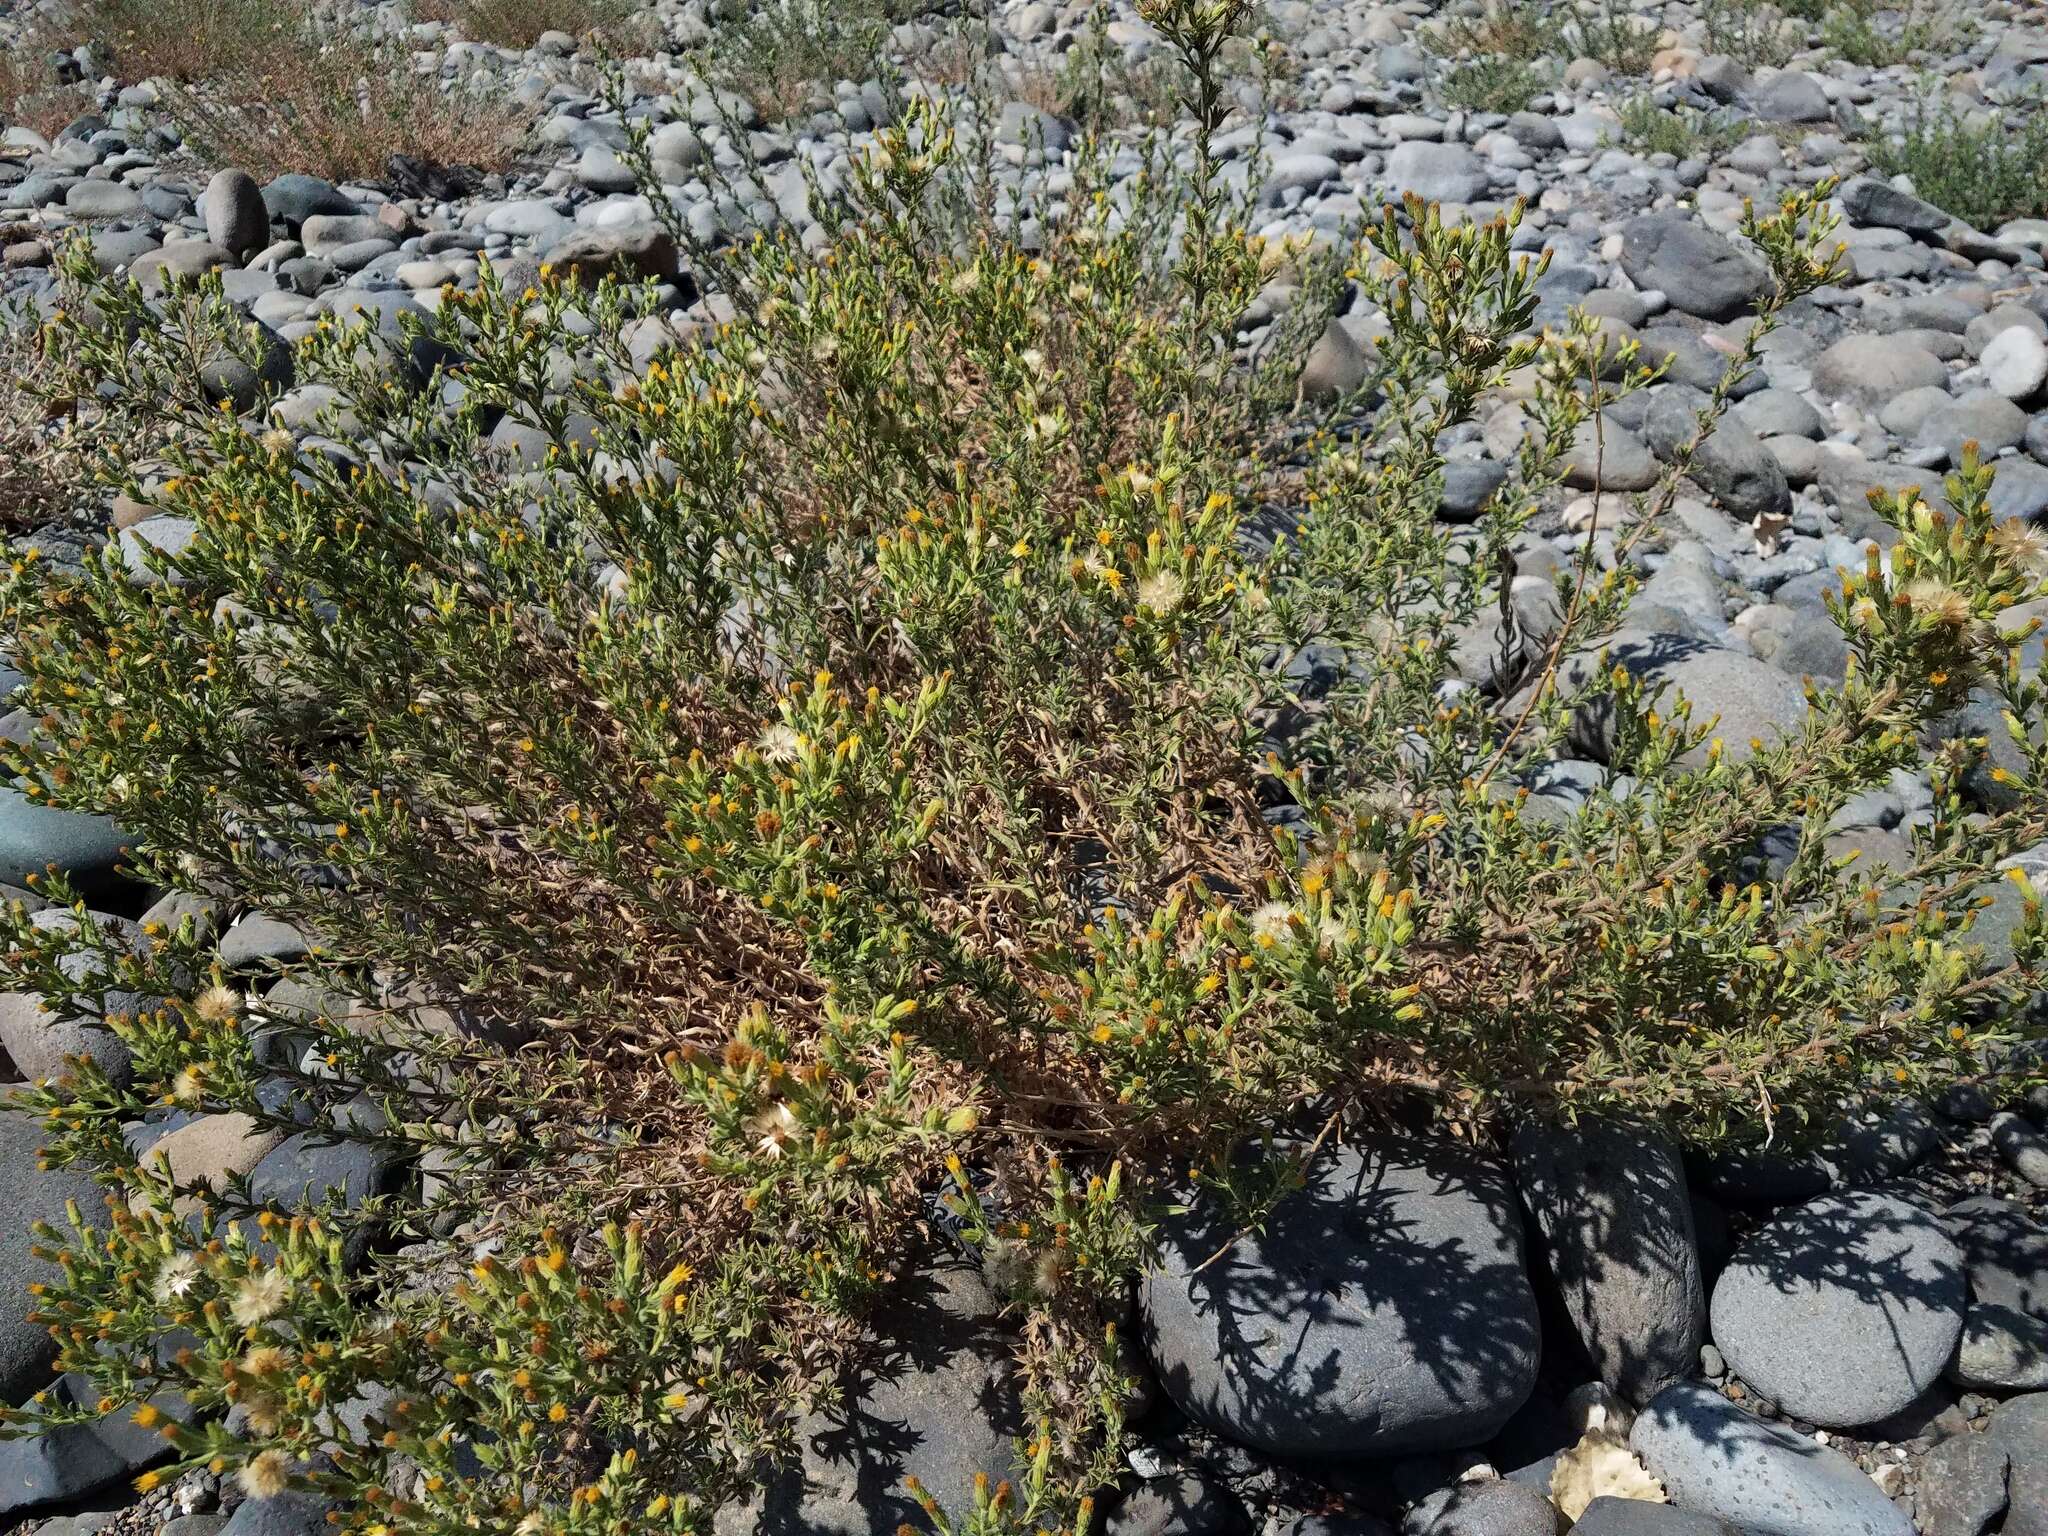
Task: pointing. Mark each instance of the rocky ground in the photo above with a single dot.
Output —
(1853, 1344)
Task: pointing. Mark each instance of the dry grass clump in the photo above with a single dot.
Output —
(43, 469)
(192, 40)
(520, 23)
(341, 109)
(30, 96)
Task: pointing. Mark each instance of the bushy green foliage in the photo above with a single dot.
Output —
(1879, 35)
(1758, 33)
(1684, 132)
(1984, 170)
(1493, 83)
(782, 54)
(864, 755)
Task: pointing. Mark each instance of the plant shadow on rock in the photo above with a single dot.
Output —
(1382, 1307)
(1614, 1240)
(934, 1399)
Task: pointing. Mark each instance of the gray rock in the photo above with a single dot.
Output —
(295, 1513)
(1698, 271)
(1715, 1459)
(33, 837)
(1781, 413)
(1468, 485)
(1639, 1517)
(1610, 1210)
(1336, 365)
(627, 254)
(2020, 489)
(1878, 204)
(1382, 1308)
(941, 1408)
(2019, 1427)
(61, 1465)
(1302, 171)
(1983, 417)
(1961, 1487)
(2015, 363)
(257, 938)
(1182, 1505)
(295, 197)
(179, 264)
(1732, 463)
(1750, 700)
(1870, 370)
(1608, 457)
(1481, 1508)
(2022, 1147)
(2002, 1349)
(1843, 1310)
(1790, 96)
(26, 1349)
(325, 233)
(102, 200)
(236, 218)
(2004, 1250)
(1436, 173)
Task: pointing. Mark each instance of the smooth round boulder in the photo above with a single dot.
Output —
(1870, 370)
(1842, 1310)
(1382, 1308)
(1698, 271)
(236, 218)
(1716, 1459)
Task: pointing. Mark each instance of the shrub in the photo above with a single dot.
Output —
(520, 23)
(859, 769)
(1494, 83)
(1679, 131)
(1984, 171)
(1525, 32)
(43, 475)
(1611, 32)
(783, 55)
(340, 106)
(30, 96)
(1877, 36)
(1755, 32)
(1097, 86)
(186, 42)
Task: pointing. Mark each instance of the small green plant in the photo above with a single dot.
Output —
(520, 23)
(1755, 32)
(1983, 170)
(1099, 87)
(1493, 83)
(1877, 36)
(1522, 32)
(785, 55)
(1611, 32)
(1683, 132)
